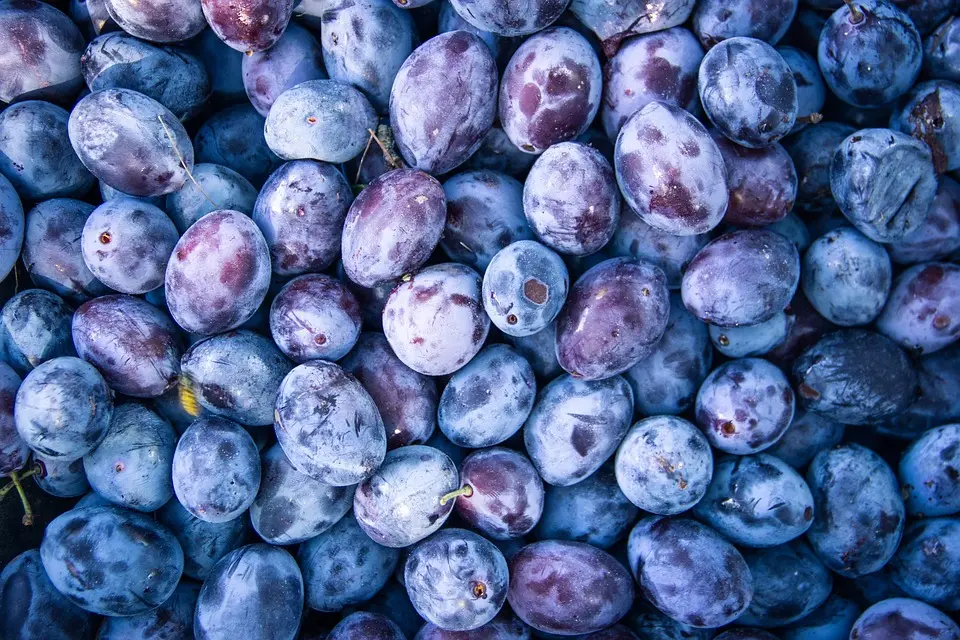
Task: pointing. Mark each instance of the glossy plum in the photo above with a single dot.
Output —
(362, 625)
(497, 153)
(14, 452)
(612, 22)
(158, 21)
(812, 152)
(511, 18)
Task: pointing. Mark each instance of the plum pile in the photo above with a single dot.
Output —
(480, 319)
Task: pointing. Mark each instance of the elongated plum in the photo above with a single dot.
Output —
(218, 274)
(393, 226)
(445, 295)
(248, 25)
(568, 588)
(443, 101)
(328, 425)
(628, 304)
(670, 170)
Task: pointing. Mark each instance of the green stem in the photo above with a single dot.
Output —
(466, 491)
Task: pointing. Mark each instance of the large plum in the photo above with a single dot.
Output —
(328, 425)
(906, 618)
(443, 101)
(218, 273)
(628, 304)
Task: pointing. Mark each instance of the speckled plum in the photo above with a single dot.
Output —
(63, 408)
(295, 58)
(444, 101)
(927, 471)
(670, 171)
(762, 183)
(218, 274)
(576, 425)
(524, 288)
(926, 564)
(922, 311)
(34, 327)
(111, 561)
(315, 317)
(506, 497)
(446, 295)
(742, 278)
(217, 187)
(403, 501)
(858, 512)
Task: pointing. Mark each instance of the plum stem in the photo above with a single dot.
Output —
(183, 163)
(363, 156)
(392, 160)
(16, 483)
(855, 13)
(813, 118)
(466, 491)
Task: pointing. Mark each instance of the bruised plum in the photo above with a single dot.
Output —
(628, 304)
(303, 200)
(135, 345)
(568, 588)
(407, 400)
(444, 101)
(923, 310)
(218, 273)
(550, 91)
(670, 170)
(524, 288)
(328, 425)
(445, 295)
(393, 226)
(904, 618)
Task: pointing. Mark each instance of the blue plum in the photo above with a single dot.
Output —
(551, 89)
(744, 406)
(505, 499)
(320, 120)
(664, 465)
(568, 588)
(135, 345)
(869, 52)
(126, 244)
(928, 472)
(524, 288)
(670, 170)
(757, 501)
(811, 89)
(858, 512)
(224, 67)
(484, 215)
(748, 91)
(234, 138)
(158, 21)
(571, 199)
(407, 400)
(111, 561)
(450, 20)
(168, 74)
(927, 563)
(131, 466)
(172, 619)
(794, 583)
(884, 183)
(628, 304)
(742, 278)
(303, 199)
(793, 228)
(35, 152)
(855, 377)
(61, 478)
(919, 315)
(812, 152)
(393, 226)
(593, 510)
(12, 227)
(846, 276)
(511, 18)
(292, 507)
(214, 187)
(218, 273)
(808, 434)
(343, 567)
(941, 55)
(687, 571)
(34, 327)
(408, 497)
(830, 621)
(14, 452)
(762, 183)
(939, 235)
(576, 425)
(497, 153)
(667, 380)
(489, 399)
(444, 101)
(254, 592)
(366, 626)
(456, 579)
(928, 113)
(365, 43)
(656, 66)
(540, 351)
(295, 58)
(753, 340)
(51, 249)
(43, 59)
(328, 425)
(248, 25)
(315, 317)
(203, 543)
(647, 623)
(63, 408)
(31, 607)
(715, 20)
(446, 295)
(216, 470)
(131, 142)
(905, 618)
